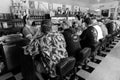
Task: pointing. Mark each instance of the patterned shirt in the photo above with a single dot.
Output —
(53, 45)
(53, 48)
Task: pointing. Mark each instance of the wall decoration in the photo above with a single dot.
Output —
(69, 7)
(50, 6)
(56, 6)
(31, 5)
(112, 10)
(72, 8)
(76, 8)
(43, 6)
(119, 3)
(118, 9)
(63, 7)
(36, 4)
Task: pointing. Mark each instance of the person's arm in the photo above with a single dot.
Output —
(27, 33)
(92, 36)
(83, 35)
(36, 35)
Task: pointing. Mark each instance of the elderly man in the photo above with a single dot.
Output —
(89, 37)
(53, 46)
(50, 45)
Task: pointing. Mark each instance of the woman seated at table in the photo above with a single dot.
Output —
(30, 30)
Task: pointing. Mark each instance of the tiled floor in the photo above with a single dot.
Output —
(109, 69)
(106, 67)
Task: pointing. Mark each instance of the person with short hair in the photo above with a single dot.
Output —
(89, 38)
(53, 46)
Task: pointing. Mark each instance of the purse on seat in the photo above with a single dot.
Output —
(65, 66)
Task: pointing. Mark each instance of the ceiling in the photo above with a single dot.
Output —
(96, 1)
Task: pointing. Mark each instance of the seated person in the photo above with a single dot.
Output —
(73, 45)
(30, 30)
(89, 37)
(77, 28)
(53, 46)
(110, 27)
(72, 40)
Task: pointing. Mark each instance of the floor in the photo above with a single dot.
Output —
(106, 67)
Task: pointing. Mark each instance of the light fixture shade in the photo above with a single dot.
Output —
(97, 10)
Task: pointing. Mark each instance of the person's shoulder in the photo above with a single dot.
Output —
(90, 29)
(66, 30)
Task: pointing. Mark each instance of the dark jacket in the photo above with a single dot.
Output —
(110, 27)
(72, 41)
(89, 38)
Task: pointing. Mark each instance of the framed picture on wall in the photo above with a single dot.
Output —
(105, 12)
(69, 7)
(31, 4)
(63, 7)
(119, 3)
(112, 10)
(50, 7)
(43, 6)
(31, 11)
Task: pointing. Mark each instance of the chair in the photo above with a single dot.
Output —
(102, 43)
(63, 68)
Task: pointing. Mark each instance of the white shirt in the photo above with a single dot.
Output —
(100, 33)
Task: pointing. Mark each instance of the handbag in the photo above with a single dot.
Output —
(65, 66)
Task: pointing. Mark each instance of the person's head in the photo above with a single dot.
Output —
(84, 26)
(77, 17)
(75, 25)
(33, 24)
(88, 21)
(46, 26)
(29, 22)
(94, 20)
(47, 16)
(65, 25)
(102, 20)
(54, 28)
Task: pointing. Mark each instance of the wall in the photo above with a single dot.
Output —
(5, 6)
(70, 2)
(105, 5)
(109, 5)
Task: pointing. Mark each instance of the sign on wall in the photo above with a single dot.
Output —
(56, 6)
(43, 6)
(31, 5)
(69, 7)
(50, 6)
(76, 8)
